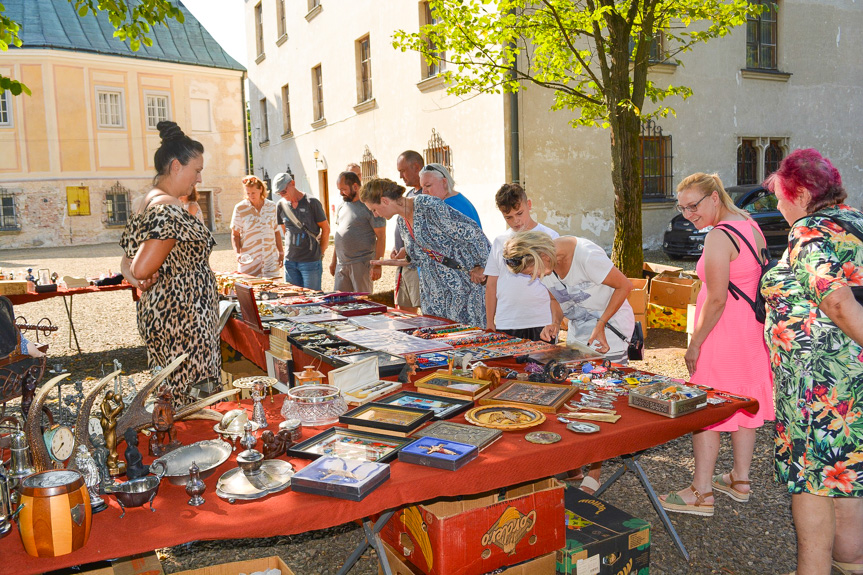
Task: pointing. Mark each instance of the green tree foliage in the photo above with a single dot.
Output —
(132, 20)
(593, 54)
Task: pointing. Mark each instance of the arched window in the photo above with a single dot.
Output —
(747, 163)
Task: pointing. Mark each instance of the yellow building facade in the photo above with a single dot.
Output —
(76, 154)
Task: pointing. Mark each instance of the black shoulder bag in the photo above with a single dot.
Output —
(635, 344)
(759, 305)
(856, 290)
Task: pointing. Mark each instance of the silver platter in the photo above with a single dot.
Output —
(249, 382)
(275, 475)
(207, 455)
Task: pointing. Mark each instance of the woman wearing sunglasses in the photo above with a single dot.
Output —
(449, 248)
(727, 349)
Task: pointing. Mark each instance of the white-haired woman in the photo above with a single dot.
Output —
(436, 181)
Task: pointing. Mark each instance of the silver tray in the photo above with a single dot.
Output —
(207, 455)
(275, 475)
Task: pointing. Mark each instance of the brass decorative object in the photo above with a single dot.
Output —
(111, 408)
(505, 417)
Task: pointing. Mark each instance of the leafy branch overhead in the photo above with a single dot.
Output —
(570, 47)
(132, 20)
(594, 55)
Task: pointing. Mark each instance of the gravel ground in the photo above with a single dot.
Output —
(752, 538)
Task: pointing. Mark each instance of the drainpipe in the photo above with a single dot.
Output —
(513, 125)
(245, 122)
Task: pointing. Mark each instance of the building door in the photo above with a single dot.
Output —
(324, 187)
(205, 200)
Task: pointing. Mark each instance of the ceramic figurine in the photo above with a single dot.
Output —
(195, 486)
(135, 467)
(85, 463)
(258, 414)
(100, 457)
(275, 444)
(110, 413)
(410, 368)
(165, 438)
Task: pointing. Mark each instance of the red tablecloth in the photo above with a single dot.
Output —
(510, 460)
(31, 297)
(247, 341)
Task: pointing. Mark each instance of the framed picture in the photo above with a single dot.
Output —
(448, 385)
(479, 436)
(384, 418)
(432, 360)
(350, 444)
(545, 397)
(440, 453)
(441, 407)
(45, 277)
(339, 477)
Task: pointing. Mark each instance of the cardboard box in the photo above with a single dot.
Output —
(673, 292)
(476, 534)
(690, 322)
(601, 539)
(248, 567)
(13, 287)
(663, 317)
(643, 319)
(544, 565)
(638, 296)
(237, 369)
(141, 564)
(650, 270)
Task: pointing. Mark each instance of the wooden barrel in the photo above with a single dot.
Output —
(55, 517)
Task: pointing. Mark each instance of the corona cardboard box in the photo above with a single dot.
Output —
(476, 534)
(601, 539)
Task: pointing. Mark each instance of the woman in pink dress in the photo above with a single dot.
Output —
(727, 350)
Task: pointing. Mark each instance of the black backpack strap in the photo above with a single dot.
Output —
(762, 259)
(735, 291)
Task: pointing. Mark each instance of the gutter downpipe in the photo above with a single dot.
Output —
(245, 122)
(513, 124)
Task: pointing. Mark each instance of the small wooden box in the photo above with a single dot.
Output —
(13, 287)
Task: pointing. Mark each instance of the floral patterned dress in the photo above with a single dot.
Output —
(817, 369)
(179, 313)
(438, 229)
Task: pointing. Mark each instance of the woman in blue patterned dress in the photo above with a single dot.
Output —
(814, 331)
(448, 247)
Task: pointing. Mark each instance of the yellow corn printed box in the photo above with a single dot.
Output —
(664, 317)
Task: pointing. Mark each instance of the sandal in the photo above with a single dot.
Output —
(589, 485)
(848, 568)
(675, 503)
(721, 486)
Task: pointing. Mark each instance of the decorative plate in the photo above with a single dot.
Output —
(249, 382)
(543, 437)
(583, 427)
(506, 417)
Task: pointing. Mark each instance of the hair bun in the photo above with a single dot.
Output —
(169, 131)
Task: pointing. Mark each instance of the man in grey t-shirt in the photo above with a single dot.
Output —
(359, 238)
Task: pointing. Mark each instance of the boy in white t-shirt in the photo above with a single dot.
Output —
(515, 304)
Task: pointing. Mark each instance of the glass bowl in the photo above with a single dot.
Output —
(314, 404)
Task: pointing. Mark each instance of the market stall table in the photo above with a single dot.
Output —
(509, 461)
(67, 295)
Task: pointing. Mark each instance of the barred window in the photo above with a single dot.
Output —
(110, 104)
(8, 211)
(761, 37)
(656, 162)
(117, 205)
(368, 166)
(747, 163)
(438, 152)
(773, 155)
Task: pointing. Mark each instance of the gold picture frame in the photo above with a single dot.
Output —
(545, 397)
(448, 385)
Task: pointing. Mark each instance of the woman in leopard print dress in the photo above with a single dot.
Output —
(167, 253)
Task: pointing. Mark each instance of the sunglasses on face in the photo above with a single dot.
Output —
(513, 262)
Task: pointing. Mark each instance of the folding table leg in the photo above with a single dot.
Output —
(630, 463)
(72, 331)
(372, 540)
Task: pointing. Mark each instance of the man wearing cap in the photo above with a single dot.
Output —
(306, 230)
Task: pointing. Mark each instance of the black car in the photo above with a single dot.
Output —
(682, 240)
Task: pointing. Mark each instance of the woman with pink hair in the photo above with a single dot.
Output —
(814, 332)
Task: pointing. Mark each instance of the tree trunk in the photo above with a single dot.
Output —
(627, 253)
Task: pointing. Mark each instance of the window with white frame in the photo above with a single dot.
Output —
(110, 108)
(265, 132)
(8, 211)
(259, 28)
(280, 17)
(436, 61)
(6, 109)
(318, 92)
(158, 109)
(286, 109)
(364, 70)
